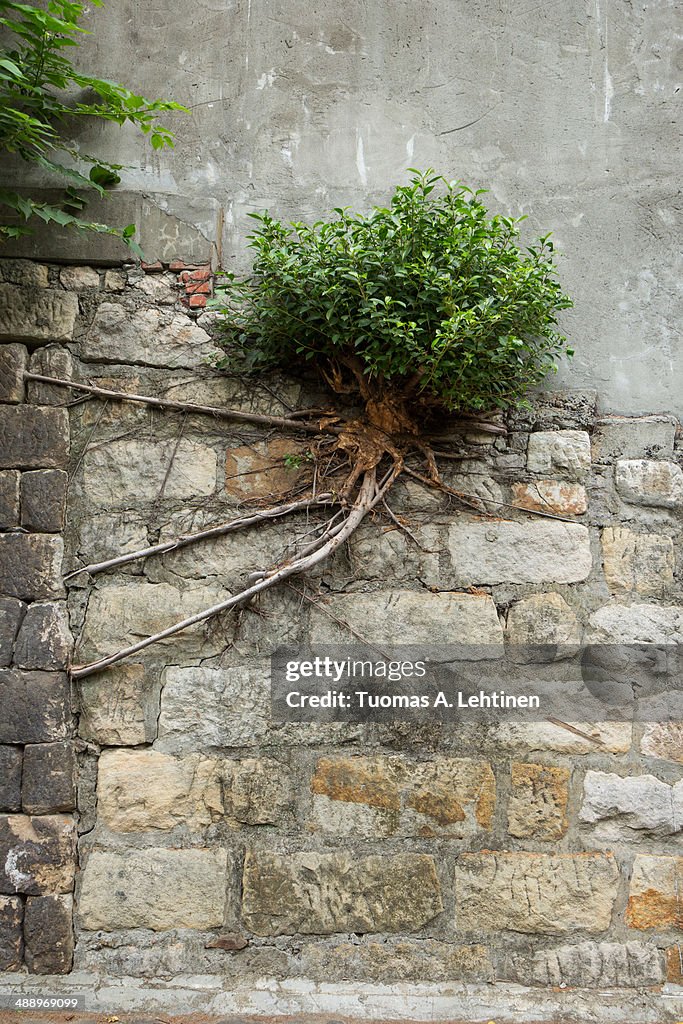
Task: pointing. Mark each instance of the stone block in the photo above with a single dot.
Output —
(114, 281)
(33, 316)
(11, 614)
(43, 500)
(33, 437)
(144, 791)
(633, 437)
(10, 778)
(34, 706)
(636, 624)
(386, 796)
(13, 364)
(625, 808)
(256, 791)
(148, 337)
(641, 562)
(49, 778)
(392, 555)
(392, 961)
(646, 482)
(564, 452)
(569, 738)
(673, 956)
(153, 888)
(9, 498)
(214, 707)
(24, 272)
(554, 496)
(48, 934)
(37, 854)
(535, 893)
(78, 279)
(51, 361)
(409, 617)
(133, 471)
(477, 487)
(44, 640)
(11, 933)
(507, 552)
(545, 621)
(591, 965)
(116, 706)
(654, 899)
(663, 740)
(538, 801)
(102, 535)
(31, 566)
(323, 893)
(260, 470)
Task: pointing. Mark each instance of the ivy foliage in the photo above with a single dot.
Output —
(43, 96)
(430, 293)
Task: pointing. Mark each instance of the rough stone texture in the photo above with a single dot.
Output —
(538, 801)
(409, 617)
(147, 337)
(391, 555)
(398, 960)
(625, 437)
(384, 796)
(674, 964)
(11, 614)
(643, 562)
(260, 470)
(31, 316)
(49, 778)
(11, 933)
(591, 965)
(43, 500)
(34, 706)
(51, 361)
(24, 272)
(9, 499)
(636, 624)
(535, 893)
(256, 791)
(76, 279)
(13, 364)
(638, 803)
(125, 472)
(30, 566)
(575, 738)
(33, 437)
(10, 778)
(114, 707)
(48, 934)
(143, 790)
(663, 740)
(645, 482)
(204, 707)
(120, 614)
(545, 620)
(103, 534)
(555, 496)
(153, 888)
(37, 854)
(507, 552)
(322, 893)
(654, 899)
(567, 452)
(114, 281)
(44, 640)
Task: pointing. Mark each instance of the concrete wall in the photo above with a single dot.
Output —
(564, 111)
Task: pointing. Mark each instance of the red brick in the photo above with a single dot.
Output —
(200, 288)
(152, 268)
(179, 265)
(197, 301)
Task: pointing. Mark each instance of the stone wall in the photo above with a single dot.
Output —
(214, 842)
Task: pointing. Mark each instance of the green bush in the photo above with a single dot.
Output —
(429, 297)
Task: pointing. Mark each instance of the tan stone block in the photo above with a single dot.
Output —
(257, 791)
(260, 470)
(397, 960)
(538, 802)
(674, 964)
(113, 706)
(554, 496)
(542, 620)
(643, 562)
(654, 899)
(566, 738)
(663, 740)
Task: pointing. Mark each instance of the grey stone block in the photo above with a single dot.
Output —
(37, 854)
(35, 707)
(30, 566)
(34, 316)
(9, 499)
(33, 437)
(48, 779)
(11, 612)
(43, 500)
(24, 272)
(44, 640)
(48, 934)
(13, 363)
(50, 361)
(11, 936)
(633, 437)
(10, 778)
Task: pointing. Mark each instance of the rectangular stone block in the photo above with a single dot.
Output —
(323, 893)
(507, 552)
(535, 893)
(646, 482)
(35, 707)
(122, 472)
(44, 640)
(151, 337)
(11, 614)
(256, 791)
(392, 961)
(34, 316)
(43, 500)
(564, 452)
(48, 934)
(51, 361)
(24, 272)
(154, 888)
(37, 854)
(49, 778)
(628, 808)
(11, 933)
(538, 801)
(554, 496)
(633, 437)
(117, 705)
(654, 899)
(33, 437)
(663, 740)
(31, 566)
(10, 778)
(643, 562)
(570, 738)
(9, 499)
(591, 965)
(385, 796)
(13, 364)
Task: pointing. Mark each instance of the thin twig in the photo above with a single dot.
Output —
(402, 526)
(172, 459)
(87, 443)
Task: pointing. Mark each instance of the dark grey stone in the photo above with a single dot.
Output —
(31, 566)
(49, 777)
(33, 437)
(35, 707)
(43, 500)
(37, 855)
(48, 934)
(50, 361)
(13, 363)
(44, 640)
(9, 499)
(10, 778)
(11, 614)
(11, 933)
